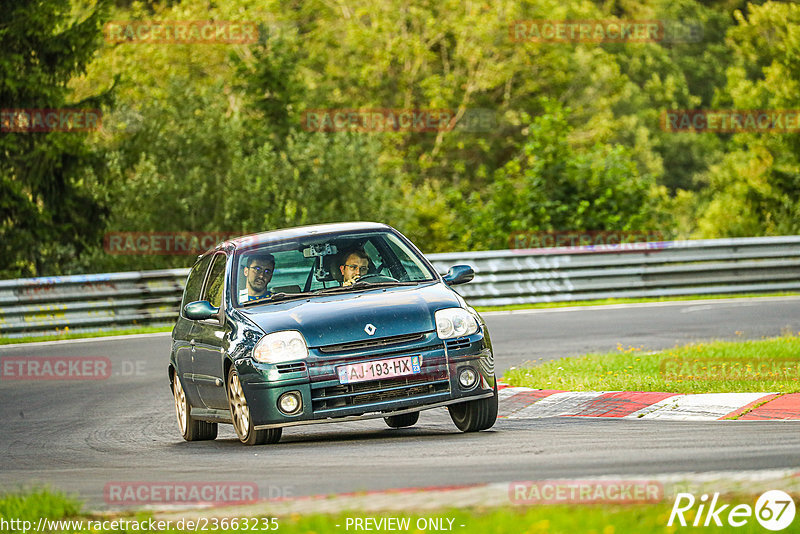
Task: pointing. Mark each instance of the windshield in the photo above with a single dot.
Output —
(312, 265)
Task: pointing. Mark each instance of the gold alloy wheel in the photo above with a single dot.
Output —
(181, 409)
(240, 413)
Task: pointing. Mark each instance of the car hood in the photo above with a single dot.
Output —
(342, 318)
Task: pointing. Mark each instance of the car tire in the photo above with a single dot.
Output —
(190, 428)
(242, 419)
(475, 415)
(400, 421)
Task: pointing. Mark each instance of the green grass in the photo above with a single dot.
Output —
(550, 519)
(769, 365)
(77, 335)
(509, 519)
(603, 302)
(30, 505)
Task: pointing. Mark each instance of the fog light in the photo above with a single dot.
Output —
(467, 378)
(290, 403)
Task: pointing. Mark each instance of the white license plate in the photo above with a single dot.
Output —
(377, 370)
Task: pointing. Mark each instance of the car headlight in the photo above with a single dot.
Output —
(281, 347)
(455, 322)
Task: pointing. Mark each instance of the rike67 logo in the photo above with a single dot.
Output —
(774, 510)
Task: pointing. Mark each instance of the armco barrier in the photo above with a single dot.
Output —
(669, 268)
(752, 265)
(94, 302)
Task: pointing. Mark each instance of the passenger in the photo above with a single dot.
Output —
(356, 264)
(258, 273)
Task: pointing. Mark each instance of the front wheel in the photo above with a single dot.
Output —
(400, 421)
(475, 415)
(241, 417)
(191, 429)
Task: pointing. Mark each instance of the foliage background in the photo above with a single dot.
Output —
(208, 137)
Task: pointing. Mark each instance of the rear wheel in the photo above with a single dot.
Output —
(191, 429)
(475, 415)
(400, 421)
(241, 417)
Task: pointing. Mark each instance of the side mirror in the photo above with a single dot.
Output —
(200, 310)
(459, 274)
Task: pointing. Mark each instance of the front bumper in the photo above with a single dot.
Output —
(325, 399)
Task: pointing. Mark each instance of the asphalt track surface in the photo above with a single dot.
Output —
(79, 436)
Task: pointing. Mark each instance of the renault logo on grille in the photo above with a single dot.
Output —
(369, 329)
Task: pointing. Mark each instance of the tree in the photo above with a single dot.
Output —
(550, 185)
(755, 188)
(47, 213)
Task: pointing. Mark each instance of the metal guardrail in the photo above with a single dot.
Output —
(35, 306)
(669, 268)
(93, 302)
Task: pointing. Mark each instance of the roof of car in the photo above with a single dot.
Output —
(304, 231)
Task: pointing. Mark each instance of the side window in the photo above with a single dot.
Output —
(379, 264)
(410, 268)
(216, 278)
(195, 281)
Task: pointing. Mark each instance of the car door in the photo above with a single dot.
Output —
(211, 340)
(182, 341)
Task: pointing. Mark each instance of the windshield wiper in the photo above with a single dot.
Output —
(335, 289)
(385, 283)
(276, 297)
(365, 285)
(332, 289)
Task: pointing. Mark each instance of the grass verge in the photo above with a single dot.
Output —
(605, 302)
(78, 335)
(33, 504)
(551, 519)
(769, 365)
(544, 519)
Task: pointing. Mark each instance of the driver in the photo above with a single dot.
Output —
(258, 272)
(356, 263)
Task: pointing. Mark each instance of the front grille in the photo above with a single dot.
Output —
(372, 343)
(291, 367)
(460, 343)
(353, 395)
(372, 385)
(396, 394)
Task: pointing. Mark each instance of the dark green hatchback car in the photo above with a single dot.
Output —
(321, 324)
